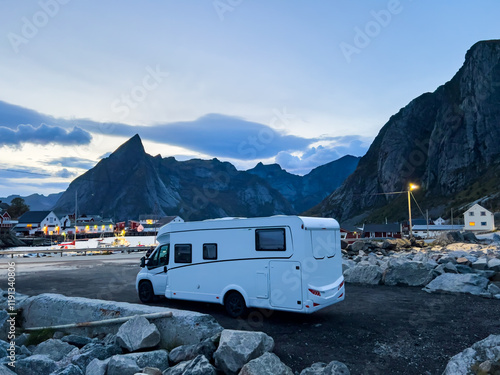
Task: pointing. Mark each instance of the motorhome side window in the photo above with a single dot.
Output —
(270, 239)
(159, 257)
(183, 253)
(210, 251)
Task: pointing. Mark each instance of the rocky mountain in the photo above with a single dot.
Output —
(36, 202)
(445, 141)
(304, 192)
(130, 182)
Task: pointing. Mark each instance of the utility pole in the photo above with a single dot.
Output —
(409, 212)
(427, 214)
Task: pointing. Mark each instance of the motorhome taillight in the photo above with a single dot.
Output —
(341, 285)
(341, 295)
(315, 304)
(315, 292)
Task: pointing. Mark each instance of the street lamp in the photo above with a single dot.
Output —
(410, 188)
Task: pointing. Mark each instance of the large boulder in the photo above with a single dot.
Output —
(187, 352)
(408, 273)
(183, 328)
(494, 264)
(54, 349)
(69, 370)
(236, 348)
(94, 350)
(97, 367)
(4, 325)
(357, 246)
(458, 283)
(332, 368)
(4, 370)
(43, 365)
(481, 352)
(122, 365)
(156, 358)
(266, 364)
(138, 333)
(197, 366)
(364, 274)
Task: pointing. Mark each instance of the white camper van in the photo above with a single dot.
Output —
(285, 263)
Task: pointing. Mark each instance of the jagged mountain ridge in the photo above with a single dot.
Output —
(131, 182)
(303, 192)
(445, 141)
(36, 202)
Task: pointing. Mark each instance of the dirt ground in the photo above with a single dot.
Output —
(376, 330)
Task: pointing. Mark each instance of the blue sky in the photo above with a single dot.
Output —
(299, 83)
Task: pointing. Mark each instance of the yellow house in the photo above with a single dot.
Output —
(478, 218)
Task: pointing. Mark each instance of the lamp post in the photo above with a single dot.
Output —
(411, 187)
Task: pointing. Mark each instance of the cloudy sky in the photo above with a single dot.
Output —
(300, 83)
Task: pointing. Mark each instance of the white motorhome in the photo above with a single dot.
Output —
(285, 263)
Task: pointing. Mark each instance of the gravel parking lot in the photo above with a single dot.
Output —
(376, 330)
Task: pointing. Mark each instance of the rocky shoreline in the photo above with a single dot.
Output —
(444, 266)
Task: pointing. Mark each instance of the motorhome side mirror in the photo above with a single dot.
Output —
(143, 262)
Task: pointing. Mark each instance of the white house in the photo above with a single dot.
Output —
(38, 221)
(478, 218)
(439, 221)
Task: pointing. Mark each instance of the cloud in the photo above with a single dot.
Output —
(22, 172)
(43, 135)
(315, 156)
(73, 162)
(215, 135)
(64, 173)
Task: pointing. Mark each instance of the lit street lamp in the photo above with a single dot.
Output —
(411, 187)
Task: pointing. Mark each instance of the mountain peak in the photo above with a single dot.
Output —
(132, 147)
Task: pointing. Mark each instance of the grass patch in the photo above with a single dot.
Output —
(37, 337)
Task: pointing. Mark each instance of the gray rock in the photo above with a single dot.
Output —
(4, 370)
(470, 237)
(198, 366)
(36, 364)
(76, 340)
(187, 352)
(480, 264)
(151, 371)
(333, 368)
(70, 370)
(357, 246)
(266, 364)
(463, 269)
(481, 351)
(408, 273)
(54, 349)
(122, 365)
(97, 367)
(94, 350)
(494, 264)
(485, 273)
(183, 328)
(364, 274)
(458, 283)
(22, 338)
(493, 289)
(4, 325)
(156, 358)
(4, 299)
(236, 348)
(138, 333)
(390, 244)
